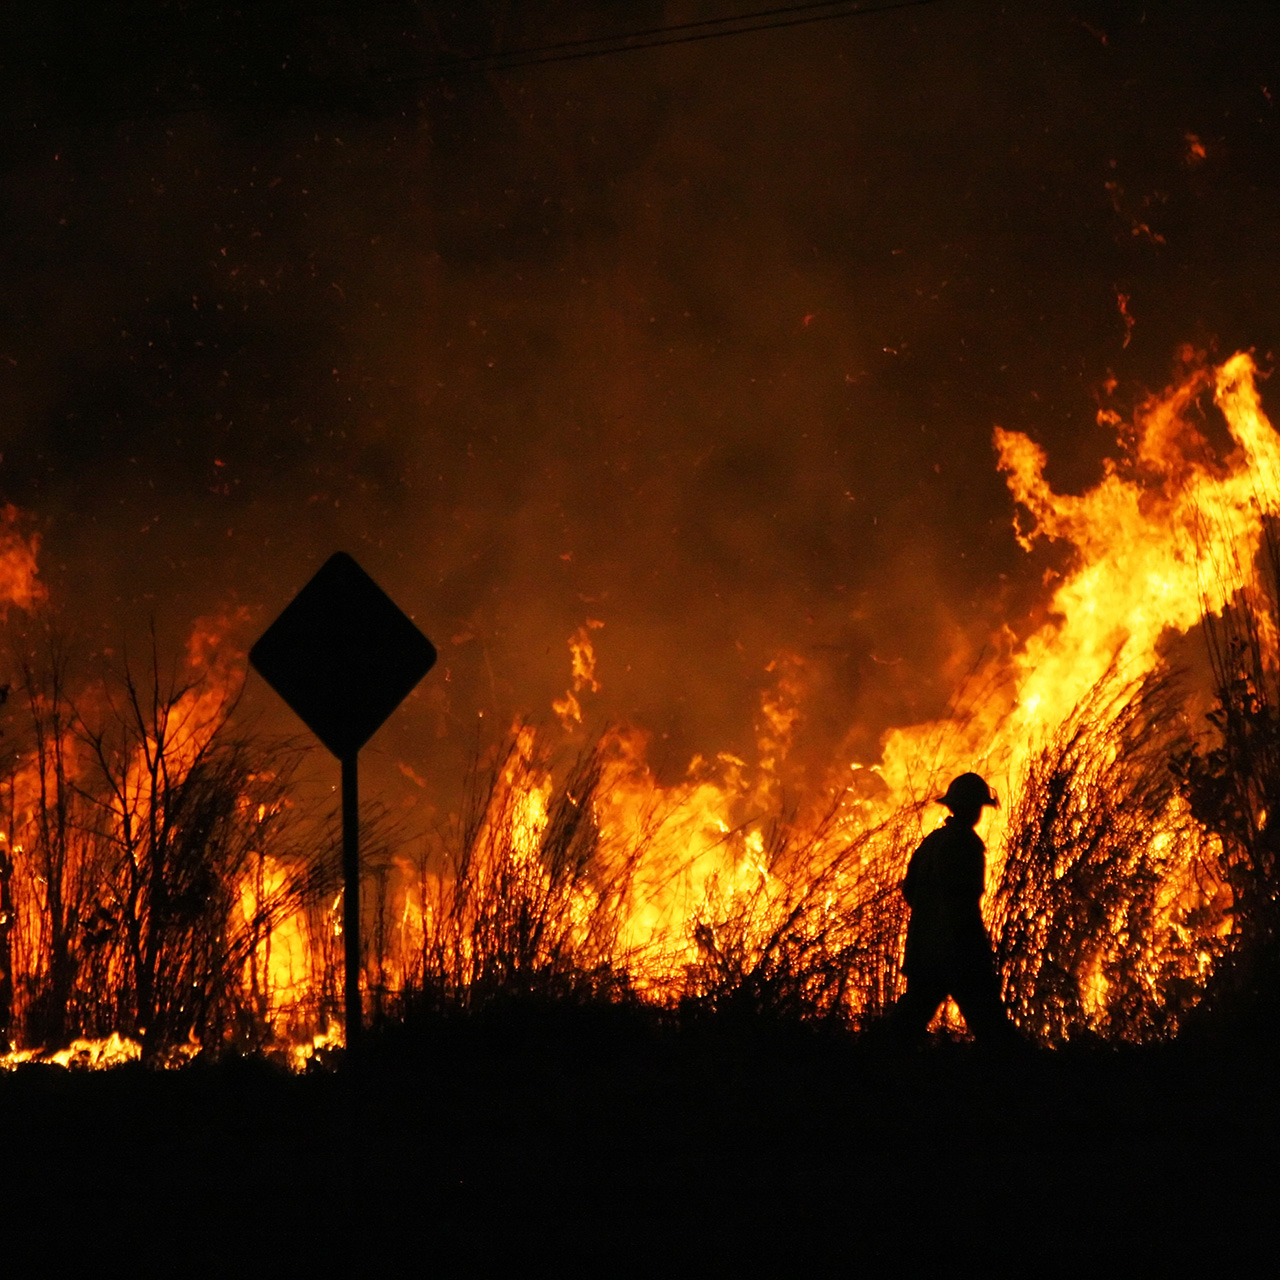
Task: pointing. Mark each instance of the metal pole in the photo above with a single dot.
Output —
(351, 902)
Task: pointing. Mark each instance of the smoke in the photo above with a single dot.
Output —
(705, 344)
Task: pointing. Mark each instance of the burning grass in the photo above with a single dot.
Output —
(197, 910)
(155, 857)
(168, 886)
(521, 900)
(531, 898)
(1106, 910)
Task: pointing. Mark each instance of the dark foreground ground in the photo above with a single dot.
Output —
(535, 1145)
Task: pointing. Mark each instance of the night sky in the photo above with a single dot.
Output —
(704, 342)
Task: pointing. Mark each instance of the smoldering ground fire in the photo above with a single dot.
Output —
(168, 887)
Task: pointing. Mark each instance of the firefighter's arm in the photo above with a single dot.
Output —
(912, 879)
(977, 873)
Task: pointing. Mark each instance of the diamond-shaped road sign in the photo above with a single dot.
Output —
(342, 655)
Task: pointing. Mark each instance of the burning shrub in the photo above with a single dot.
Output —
(1099, 906)
(135, 819)
(525, 900)
(534, 899)
(1232, 784)
(815, 934)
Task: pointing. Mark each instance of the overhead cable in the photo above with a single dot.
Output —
(658, 37)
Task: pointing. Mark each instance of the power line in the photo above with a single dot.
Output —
(659, 37)
(773, 18)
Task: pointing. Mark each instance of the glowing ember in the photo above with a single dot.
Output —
(113, 1051)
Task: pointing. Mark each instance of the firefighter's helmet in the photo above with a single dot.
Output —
(969, 791)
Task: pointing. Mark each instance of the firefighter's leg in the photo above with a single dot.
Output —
(978, 995)
(914, 1011)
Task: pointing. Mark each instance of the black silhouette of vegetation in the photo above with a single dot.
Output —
(1231, 780)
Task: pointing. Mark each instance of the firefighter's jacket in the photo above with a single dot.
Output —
(943, 887)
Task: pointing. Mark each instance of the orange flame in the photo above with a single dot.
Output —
(19, 584)
(583, 663)
(1169, 534)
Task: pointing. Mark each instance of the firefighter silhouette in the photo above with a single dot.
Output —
(948, 952)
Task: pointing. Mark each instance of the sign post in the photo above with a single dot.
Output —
(351, 1003)
(343, 656)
